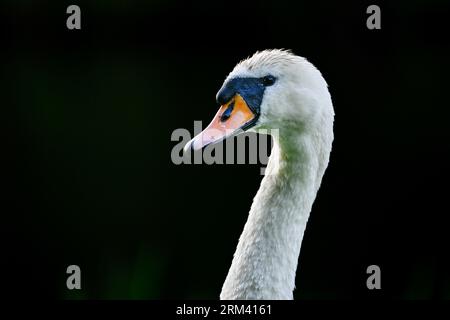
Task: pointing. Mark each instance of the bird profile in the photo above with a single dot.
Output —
(274, 89)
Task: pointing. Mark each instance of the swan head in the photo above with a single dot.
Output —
(273, 89)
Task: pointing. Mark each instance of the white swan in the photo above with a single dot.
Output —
(278, 90)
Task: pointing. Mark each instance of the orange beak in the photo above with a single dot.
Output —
(231, 118)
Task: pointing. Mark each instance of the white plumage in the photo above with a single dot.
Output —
(299, 105)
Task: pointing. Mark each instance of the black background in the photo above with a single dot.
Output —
(87, 120)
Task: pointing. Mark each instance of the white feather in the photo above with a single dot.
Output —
(299, 105)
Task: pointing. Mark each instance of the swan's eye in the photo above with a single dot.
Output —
(268, 80)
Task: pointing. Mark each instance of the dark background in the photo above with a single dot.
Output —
(87, 118)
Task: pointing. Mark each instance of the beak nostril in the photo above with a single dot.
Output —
(227, 113)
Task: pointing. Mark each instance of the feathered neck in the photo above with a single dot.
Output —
(265, 261)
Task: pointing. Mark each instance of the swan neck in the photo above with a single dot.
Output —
(265, 261)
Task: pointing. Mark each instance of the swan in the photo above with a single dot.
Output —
(274, 89)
